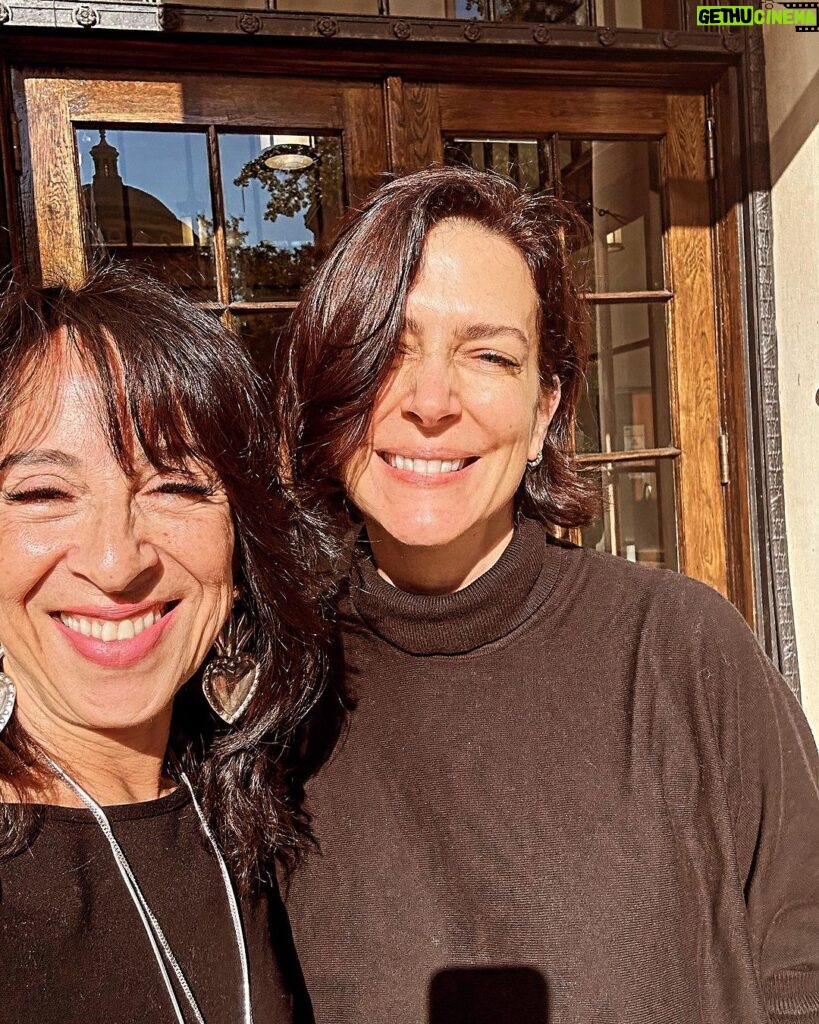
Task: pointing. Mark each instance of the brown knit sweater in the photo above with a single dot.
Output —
(575, 791)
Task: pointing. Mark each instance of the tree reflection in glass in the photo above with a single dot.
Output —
(277, 220)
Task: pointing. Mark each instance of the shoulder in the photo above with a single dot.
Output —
(605, 579)
(683, 626)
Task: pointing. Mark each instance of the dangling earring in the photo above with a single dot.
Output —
(8, 694)
(534, 463)
(231, 679)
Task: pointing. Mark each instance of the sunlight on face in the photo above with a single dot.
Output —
(112, 586)
(464, 409)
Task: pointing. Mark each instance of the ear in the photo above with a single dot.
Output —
(547, 407)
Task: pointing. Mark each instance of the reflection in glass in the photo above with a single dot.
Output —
(627, 407)
(276, 219)
(639, 521)
(526, 161)
(260, 334)
(146, 198)
(617, 188)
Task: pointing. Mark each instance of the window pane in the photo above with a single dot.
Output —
(639, 521)
(283, 196)
(565, 12)
(147, 198)
(329, 6)
(526, 161)
(627, 407)
(617, 188)
(638, 13)
(260, 334)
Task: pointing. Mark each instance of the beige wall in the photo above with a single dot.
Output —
(792, 78)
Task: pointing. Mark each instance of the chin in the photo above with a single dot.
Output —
(120, 713)
(426, 531)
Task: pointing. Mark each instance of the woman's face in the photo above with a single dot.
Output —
(463, 410)
(112, 587)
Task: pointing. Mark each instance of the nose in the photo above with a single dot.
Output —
(113, 551)
(430, 391)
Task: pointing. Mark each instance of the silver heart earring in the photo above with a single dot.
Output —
(8, 694)
(231, 679)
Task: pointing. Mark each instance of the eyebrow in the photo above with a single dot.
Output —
(39, 457)
(477, 331)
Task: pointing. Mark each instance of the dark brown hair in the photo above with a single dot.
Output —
(176, 382)
(340, 346)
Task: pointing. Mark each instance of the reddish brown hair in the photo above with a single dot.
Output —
(342, 340)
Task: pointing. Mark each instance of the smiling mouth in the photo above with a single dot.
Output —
(427, 467)
(108, 630)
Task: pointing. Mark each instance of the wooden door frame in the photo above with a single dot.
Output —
(728, 68)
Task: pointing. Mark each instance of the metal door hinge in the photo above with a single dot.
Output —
(711, 147)
(724, 467)
(16, 147)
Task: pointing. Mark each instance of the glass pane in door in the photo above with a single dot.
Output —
(627, 406)
(616, 186)
(639, 520)
(146, 198)
(526, 161)
(283, 196)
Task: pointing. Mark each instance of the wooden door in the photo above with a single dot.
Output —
(183, 173)
(634, 160)
(101, 152)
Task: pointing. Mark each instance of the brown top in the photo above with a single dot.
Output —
(575, 790)
(73, 949)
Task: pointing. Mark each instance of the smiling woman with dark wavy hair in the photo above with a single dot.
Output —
(571, 787)
(161, 641)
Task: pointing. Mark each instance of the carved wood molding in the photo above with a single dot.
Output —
(173, 18)
(773, 570)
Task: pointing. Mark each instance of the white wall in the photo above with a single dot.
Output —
(792, 79)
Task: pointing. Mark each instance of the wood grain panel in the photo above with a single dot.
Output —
(396, 123)
(50, 185)
(693, 345)
(729, 279)
(578, 64)
(413, 125)
(364, 141)
(527, 111)
(236, 101)
(422, 126)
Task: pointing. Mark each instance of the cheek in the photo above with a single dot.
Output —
(27, 555)
(204, 546)
(508, 415)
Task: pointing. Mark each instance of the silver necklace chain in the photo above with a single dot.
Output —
(159, 944)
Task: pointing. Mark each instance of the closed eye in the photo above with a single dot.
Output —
(186, 487)
(499, 360)
(35, 494)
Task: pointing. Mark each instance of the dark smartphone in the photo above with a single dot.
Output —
(488, 995)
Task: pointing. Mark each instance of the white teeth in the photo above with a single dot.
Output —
(427, 467)
(110, 629)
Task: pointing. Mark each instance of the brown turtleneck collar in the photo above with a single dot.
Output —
(488, 609)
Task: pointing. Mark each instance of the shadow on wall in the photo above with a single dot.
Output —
(488, 995)
(794, 131)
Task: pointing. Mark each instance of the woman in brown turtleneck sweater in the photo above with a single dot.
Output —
(570, 788)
